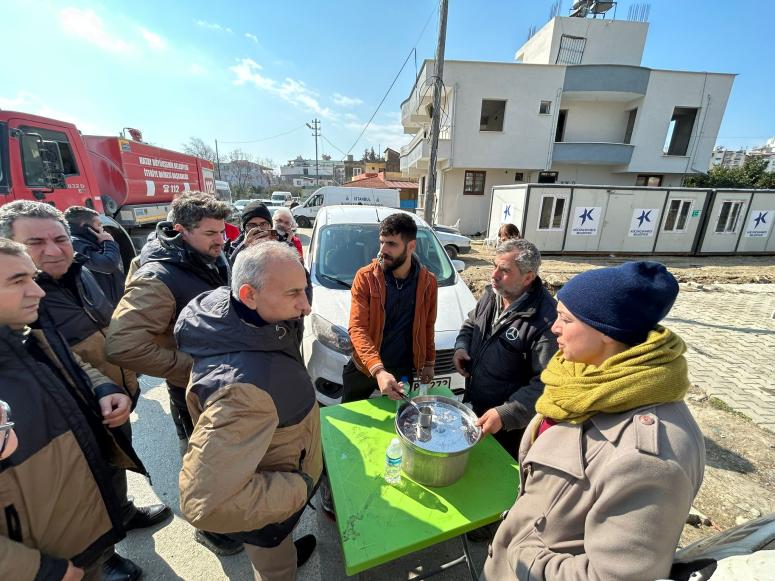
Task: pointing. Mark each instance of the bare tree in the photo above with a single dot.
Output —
(199, 148)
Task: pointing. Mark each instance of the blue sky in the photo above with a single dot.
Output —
(245, 71)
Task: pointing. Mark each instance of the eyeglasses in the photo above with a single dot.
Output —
(6, 425)
(261, 228)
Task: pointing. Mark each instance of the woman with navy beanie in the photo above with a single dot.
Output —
(613, 460)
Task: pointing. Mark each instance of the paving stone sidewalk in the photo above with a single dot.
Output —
(730, 334)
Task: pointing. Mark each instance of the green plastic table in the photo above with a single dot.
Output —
(378, 522)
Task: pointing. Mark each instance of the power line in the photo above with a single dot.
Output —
(332, 145)
(266, 138)
(406, 60)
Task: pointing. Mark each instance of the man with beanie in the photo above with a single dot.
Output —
(613, 460)
(184, 260)
(506, 342)
(256, 227)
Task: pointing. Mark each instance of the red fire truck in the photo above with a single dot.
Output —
(131, 183)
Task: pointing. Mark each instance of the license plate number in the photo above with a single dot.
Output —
(437, 382)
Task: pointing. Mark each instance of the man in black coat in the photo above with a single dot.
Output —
(102, 255)
(506, 342)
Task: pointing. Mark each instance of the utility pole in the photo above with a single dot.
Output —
(438, 74)
(217, 159)
(316, 133)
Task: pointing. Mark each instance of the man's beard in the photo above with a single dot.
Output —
(397, 262)
(504, 294)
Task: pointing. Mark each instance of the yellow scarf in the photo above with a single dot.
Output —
(651, 372)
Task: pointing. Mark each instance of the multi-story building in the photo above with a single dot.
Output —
(577, 107)
(766, 151)
(326, 172)
(729, 158)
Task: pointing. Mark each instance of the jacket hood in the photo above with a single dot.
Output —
(168, 247)
(210, 326)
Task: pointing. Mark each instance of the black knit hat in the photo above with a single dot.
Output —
(255, 210)
(624, 302)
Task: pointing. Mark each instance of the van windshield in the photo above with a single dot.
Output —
(344, 248)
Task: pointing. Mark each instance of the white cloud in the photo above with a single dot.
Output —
(343, 101)
(214, 26)
(290, 90)
(87, 25)
(197, 69)
(153, 40)
(252, 37)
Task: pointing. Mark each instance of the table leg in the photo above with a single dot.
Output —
(464, 558)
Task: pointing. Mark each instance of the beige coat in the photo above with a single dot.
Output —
(605, 500)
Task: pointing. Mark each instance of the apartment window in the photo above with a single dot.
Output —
(571, 50)
(519, 176)
(491, 118)
(552, 213)
(729, 217)
(474, 183)
(680, 131)
(652, 181)
(357, 171)
(631, 114)
(559, 134)
(545, 108)
(678, 215)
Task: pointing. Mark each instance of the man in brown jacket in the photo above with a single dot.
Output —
(76, 305)
(61, 515)
(255, 455)
(392, 316)
(184, 260)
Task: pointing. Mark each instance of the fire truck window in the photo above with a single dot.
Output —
(34, 170)
(65, 149)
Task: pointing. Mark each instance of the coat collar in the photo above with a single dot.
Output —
(561, 446)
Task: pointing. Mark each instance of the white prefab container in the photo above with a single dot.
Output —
(740, 221)
(605, 219)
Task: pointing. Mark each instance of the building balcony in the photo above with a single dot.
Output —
(416, 155)
(605, 82)
(592, 153)
(416, 109)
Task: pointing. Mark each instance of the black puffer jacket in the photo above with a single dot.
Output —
(507, 361)
(103, 259)
(75, 303)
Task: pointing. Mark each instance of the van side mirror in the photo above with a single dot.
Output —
(459, 265)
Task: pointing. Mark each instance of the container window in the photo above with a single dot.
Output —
(552, 213)
(678, 215)
(729, 217)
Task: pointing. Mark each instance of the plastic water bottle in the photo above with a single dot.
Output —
(423, 390)
(393, 457)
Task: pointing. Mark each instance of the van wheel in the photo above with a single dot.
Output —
(451, 251)
(303, 222)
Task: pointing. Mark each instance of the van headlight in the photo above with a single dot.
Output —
(332, 336)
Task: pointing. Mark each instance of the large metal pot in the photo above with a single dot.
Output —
(436, 456)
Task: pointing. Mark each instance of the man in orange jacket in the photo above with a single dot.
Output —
(392, 316)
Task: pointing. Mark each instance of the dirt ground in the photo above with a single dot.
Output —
(701, 270)
(739, 479)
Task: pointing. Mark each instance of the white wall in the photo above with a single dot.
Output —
(473, 211)
(526, 136)
(596, 121)
(610, 42)
(670, 89)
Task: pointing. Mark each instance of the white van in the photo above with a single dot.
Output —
(281, 198)
(223, 191)
(336, 195)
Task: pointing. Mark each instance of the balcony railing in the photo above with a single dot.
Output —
(592, 153)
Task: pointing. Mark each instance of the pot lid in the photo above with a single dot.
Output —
(452, 428)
